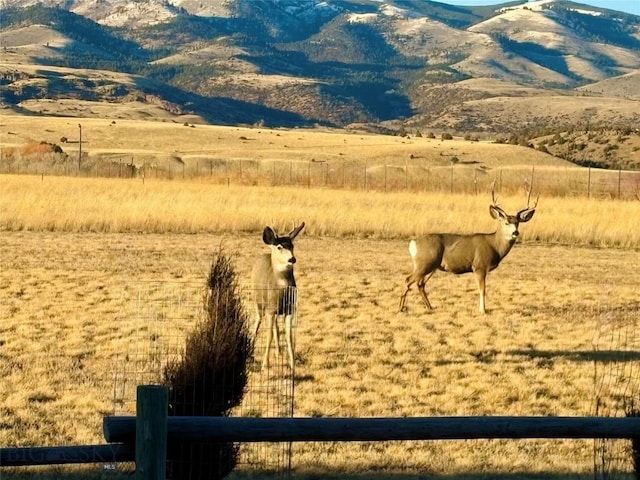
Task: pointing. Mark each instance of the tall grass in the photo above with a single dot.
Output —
(63, 204)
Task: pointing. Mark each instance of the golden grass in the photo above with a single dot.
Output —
(130, 138)
(111, 205)
(77, 251)
(68, 308)
(294, 157)
(187, 148)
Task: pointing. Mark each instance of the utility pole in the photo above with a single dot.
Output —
(80, 148)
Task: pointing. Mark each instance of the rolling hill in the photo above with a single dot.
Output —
(397, 65)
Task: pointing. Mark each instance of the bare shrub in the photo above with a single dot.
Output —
(210, 379)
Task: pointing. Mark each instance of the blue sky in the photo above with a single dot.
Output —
(629, 6)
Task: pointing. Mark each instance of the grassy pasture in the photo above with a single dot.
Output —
(309, 158)
(113, 205)
(160, 141)
(67, 303)
(75, 251)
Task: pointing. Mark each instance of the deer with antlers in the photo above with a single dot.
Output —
(457, 253)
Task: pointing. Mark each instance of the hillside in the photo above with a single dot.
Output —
(393, 65)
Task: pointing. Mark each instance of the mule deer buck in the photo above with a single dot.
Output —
(456, 253)
(275, 289)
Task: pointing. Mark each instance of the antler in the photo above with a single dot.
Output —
(494, 199)
(293, 233)
(528, 207)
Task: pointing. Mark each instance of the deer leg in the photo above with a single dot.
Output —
(403, 297)
(256, 325)
(481, 279)
(423, 292)
(265, 358)
(276, 333)
(288, 320)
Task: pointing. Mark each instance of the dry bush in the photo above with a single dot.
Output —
(210, 379)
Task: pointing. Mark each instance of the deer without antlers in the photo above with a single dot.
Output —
(456, 253)
(275, 289)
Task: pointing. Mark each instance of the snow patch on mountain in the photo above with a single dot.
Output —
(536, 6)
(362, 17)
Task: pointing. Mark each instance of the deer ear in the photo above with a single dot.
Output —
(269, 236)
(526, 215)
(496, 212)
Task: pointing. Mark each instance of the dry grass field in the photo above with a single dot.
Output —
(75, 252)
(160, 142)
(292, 157)
(67, 301)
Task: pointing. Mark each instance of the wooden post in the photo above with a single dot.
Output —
(79, 148)
(619, 181)
(365, 174)
(475, 181)
(26, 456)
(406, 174)
(151, 432)
(344, 174)
(452, 164)
(385, 177)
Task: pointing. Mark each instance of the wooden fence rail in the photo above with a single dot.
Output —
(31, 456)
(236, 429)
(150, 430)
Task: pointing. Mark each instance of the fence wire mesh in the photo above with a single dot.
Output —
(166, 314)
(415, 174)
(617, 389)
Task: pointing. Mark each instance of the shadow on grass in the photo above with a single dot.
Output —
(461, 476)
(59, 473)
(580, 356)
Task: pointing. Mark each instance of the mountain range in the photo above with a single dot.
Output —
(380, 64)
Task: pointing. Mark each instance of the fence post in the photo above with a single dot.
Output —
(151, 432)
(619, 181)
(406, 174)
(451, 186)
(365, 174)
(385, 177)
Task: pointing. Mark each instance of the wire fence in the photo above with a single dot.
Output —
(166, 314)
(414, 174)
(617, 388)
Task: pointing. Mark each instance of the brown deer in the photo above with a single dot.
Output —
(275, 289)
(456, 253)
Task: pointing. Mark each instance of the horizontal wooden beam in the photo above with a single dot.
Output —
(24, 456)
(240, 429)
